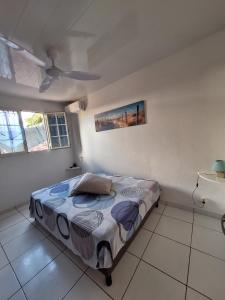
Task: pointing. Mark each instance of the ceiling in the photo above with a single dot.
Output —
(111, 37)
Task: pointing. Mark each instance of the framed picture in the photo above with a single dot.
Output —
(129, 115)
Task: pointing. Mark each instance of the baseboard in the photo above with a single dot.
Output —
(5, 211)
(195, 209)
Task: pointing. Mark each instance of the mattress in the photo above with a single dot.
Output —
(95, 227)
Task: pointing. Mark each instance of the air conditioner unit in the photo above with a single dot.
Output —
(73, 108)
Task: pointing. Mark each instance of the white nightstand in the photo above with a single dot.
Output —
(209, 176)
(74, 170)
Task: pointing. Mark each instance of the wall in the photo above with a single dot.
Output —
(21, 174)
(185, 130)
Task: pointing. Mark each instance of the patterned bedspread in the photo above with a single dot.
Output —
(95, 227)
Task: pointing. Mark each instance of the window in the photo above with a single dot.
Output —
(35, 132)
(11, 133)
(32, 131)
(58, 132)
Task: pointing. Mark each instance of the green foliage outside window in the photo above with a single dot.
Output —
(34, 120)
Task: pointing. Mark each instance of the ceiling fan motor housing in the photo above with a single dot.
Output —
(54, 72)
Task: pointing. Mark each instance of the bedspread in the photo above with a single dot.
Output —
(95, 227)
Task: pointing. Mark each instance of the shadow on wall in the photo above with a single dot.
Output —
(183, 67)
(95, 168)
(76, 139)
(176, 196)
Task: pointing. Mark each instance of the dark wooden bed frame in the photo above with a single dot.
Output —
(108, 271)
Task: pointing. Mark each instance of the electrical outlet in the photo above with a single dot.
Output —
(200, 203)
(203, 201)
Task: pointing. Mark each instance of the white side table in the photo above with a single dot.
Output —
(209, 176)
(74, 170)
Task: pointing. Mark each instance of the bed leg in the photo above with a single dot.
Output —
(108, 279)
(157, 203)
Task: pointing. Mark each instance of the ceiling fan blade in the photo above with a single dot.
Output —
(46, 83)
(26, 53)
(79, 75)
(33, 58)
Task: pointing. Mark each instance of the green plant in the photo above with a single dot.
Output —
(34, 120)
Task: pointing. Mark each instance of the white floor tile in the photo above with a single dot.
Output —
(54, 281)
(193, 295)
(23, 207)
(18, 296)
(86, 289)
(206, 275)
(180, 214)
(209, 241)
(160, 208)
(149, 283)
(10, 220)
(152, 221)
(14, 231)
(140, 242)
(76, 259)
(120, 276)
(169, 256)
(208, 222)
(8, 283)
(24, 210)
(175, 229)
(34, 260)
(3, 259)
(22, 243)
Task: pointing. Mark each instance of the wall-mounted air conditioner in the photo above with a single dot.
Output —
(73, 108)
(76, 107)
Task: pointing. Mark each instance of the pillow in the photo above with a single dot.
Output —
(92, 184)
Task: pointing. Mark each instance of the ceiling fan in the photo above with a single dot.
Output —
(52, 73)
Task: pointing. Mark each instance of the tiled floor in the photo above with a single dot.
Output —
(176, 255)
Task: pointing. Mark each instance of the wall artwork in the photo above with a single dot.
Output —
(129, 115)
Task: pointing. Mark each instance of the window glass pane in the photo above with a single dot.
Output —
(53, 130)
(61, 119)
(64, 141)
(11, 138)
(51, 119)
(55, 142)
(9, 117)
(62, 130)
(35, 132)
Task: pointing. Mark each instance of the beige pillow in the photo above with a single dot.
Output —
(92, 184)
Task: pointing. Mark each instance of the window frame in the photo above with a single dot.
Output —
(49, 133)
(47, 129)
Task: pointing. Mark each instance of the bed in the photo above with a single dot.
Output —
(98, 228)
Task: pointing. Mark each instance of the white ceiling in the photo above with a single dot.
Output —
(109, 37)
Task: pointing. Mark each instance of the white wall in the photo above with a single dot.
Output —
(185, 130)
(21, 174)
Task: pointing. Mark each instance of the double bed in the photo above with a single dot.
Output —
(98, 228)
